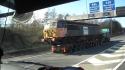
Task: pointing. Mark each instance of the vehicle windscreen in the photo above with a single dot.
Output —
(84, 33)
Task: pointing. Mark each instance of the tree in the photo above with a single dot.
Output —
(113, 25)
(50, 14)
(46, 18)
(60, 17)
(67, 15)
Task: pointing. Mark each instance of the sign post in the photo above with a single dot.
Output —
(108, 6)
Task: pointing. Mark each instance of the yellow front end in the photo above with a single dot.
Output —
(54, 33)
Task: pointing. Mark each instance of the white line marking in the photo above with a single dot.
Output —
(97, 62)
(111, 55)
(77, 65)
(118, 51)
(119, 64)
(115, 47)
(112, 50)
(107, 69)
(122, 48)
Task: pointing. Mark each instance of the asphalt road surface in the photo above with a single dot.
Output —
(106, 57)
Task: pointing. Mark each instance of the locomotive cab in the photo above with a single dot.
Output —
(54, 30)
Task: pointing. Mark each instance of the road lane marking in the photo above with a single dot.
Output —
(77, 65)
(115, 48)
(108, 69)
(112, 50)
(119, 64)
(97, 62)
(117, 51)
(111, 55)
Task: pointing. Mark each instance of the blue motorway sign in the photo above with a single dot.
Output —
(94, 7)
(108, 5)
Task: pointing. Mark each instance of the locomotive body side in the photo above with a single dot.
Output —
(69, 36)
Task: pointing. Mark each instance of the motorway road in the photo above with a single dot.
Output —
(105, 57)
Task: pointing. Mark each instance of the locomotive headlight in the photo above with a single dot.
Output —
(53, 39)
(58, 45)
(42, 40)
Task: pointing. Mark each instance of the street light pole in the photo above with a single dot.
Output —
(86, 6)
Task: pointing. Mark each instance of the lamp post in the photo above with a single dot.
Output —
(86, 6)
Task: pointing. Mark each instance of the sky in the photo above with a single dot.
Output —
(75, 8)
(82, 7)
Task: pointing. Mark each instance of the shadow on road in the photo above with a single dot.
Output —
(30, 51)
(97, 49)
(89, 51)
